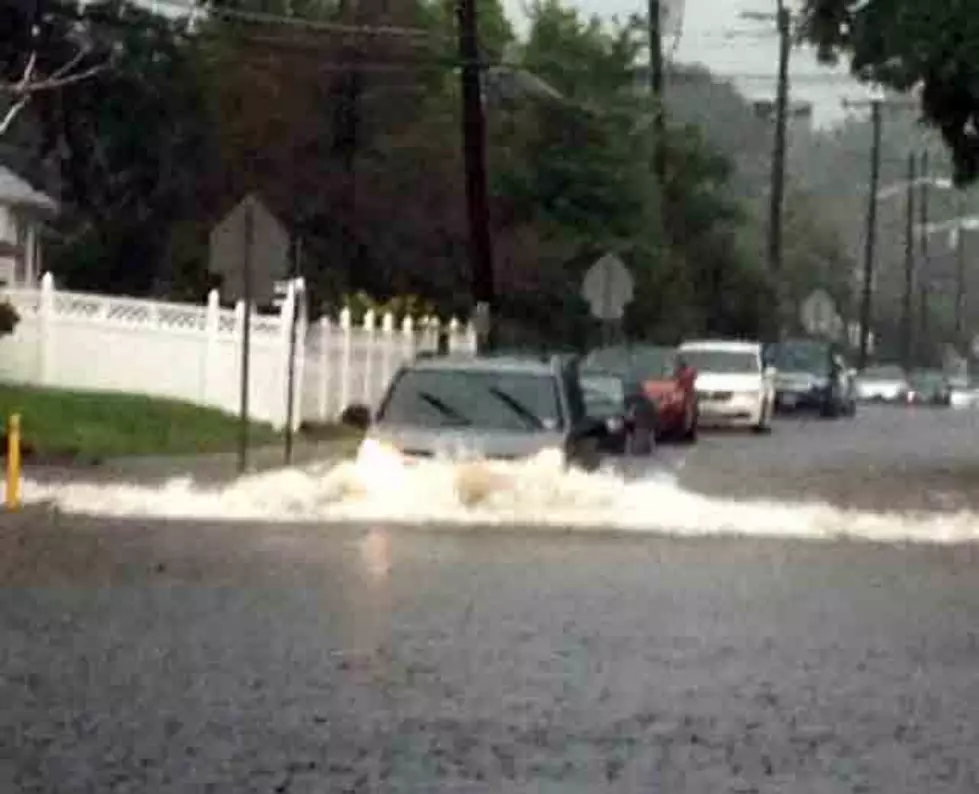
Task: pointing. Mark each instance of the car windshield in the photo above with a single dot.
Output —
(801, 356)
(883, 373)
(645, 361)
(721, 361)
(481, 399)
(604, 394)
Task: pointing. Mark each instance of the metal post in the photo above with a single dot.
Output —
(474, 152)
(246, 335)
(924, 272)
(297, 304)
(960, 278)
(870, 238)
(13, 462)
(907, 319)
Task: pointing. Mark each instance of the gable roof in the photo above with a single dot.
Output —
(16, 192)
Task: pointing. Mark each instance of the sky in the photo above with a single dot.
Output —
(711, 33)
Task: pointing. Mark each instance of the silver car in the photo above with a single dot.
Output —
(882, 384)
(468, 408)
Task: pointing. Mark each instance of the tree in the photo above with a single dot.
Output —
(930, 47)
(127, 147)
(43, 50)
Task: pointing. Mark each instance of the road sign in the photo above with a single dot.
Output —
(608, 287)
(818, 312)
(269, 255)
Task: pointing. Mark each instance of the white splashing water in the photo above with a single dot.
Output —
(537, 493)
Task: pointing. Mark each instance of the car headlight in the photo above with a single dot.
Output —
(373, 452)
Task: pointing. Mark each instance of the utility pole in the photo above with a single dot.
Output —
(777, 195)
(870, 239)
(657, 96)
(907, 319)
(474, 155)
(925, 270)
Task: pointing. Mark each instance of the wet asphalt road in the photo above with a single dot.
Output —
(155, 657)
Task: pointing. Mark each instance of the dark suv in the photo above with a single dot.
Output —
(468, 407)
(811, 375)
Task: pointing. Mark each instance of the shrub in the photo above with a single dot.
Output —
(8, 318)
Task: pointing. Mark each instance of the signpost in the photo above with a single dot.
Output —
(608, 287)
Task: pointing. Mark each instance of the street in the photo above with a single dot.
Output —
(183, 656)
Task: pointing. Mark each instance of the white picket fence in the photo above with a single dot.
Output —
(85, 341)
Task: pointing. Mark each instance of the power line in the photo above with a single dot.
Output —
(302, 23)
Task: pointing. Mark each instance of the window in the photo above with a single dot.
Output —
(721, 361)
(811, 357)
(478, 398)
(604, 395)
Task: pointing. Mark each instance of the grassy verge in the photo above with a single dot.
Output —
(70, 425)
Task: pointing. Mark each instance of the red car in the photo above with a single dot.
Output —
(667, 381)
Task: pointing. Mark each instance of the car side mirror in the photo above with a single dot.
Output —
(357, 416)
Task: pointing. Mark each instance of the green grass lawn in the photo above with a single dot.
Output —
(70, 424)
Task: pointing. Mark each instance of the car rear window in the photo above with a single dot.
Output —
(477, 398)
(719, 361)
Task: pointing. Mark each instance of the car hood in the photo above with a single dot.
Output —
(465, 443)
(717, 381)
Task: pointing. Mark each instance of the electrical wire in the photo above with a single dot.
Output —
(302, 23)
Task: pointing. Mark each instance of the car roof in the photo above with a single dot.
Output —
(730, 345)
(522, 364)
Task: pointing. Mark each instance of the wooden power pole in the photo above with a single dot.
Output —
(474, 158)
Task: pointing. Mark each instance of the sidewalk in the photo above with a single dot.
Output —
(213, 468)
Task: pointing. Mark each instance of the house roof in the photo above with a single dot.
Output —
(16, 192)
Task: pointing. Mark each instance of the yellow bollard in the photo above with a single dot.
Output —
(13, 462)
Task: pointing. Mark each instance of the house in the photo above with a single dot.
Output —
(22, 212)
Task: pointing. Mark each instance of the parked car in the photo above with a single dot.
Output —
(883, 384)
(734, 386)
(812, 375)
(929, 387)
(667, 380)
(629, 414)
(472, 407)
(964, 392)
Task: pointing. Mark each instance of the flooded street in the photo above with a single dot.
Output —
(178, 656)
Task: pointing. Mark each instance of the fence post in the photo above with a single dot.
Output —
(346, 339)
(370, 326)
(47, 329)
(407, 338)
(387, 336)
(472, 338)
(326, 363)
(210, 344)
(454, 334)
